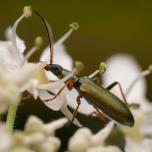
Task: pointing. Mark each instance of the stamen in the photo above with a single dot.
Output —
(93, 74)
(54, 85)
(101, 70)
(26, 13)
(38, 43)
(141, 75)
(74, 26)
(14, 29)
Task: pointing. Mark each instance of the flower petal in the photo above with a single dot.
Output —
(71, 96)
(80, 141)
(144, 146)
(104, 149)
(146, 126)
(20, 43)
(55, 104)
(100, 137)
(69, 115)
(8, 58)
(5, 140)
(51, 127)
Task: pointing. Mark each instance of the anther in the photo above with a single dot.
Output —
(102, 67)
(27, 11)
(74, 25)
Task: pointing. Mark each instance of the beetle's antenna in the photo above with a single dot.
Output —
(49, 34)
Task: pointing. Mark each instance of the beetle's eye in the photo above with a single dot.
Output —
(47, 67)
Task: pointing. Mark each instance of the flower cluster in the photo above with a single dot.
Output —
(18, 75)
(37, 136)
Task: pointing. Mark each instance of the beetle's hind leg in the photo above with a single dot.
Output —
(120, 88)
(100, 114)
(132, 105)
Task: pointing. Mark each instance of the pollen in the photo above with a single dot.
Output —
(102, 67)
(74, 25)
(27, 11)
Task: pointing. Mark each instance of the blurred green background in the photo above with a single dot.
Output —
(106, 27)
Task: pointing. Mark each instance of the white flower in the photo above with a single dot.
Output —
(124, 69)
(39, 136)
(84, 141)
(14, 73)
(5, 140)
(13, 61)
(143, 146)
(36, 137)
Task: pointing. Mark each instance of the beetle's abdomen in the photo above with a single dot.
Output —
(111, 105)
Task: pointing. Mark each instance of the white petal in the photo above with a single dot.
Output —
(51, 127)
(34, 124)
(124, 69)
(146, 126)
(20, 43)
(22, 76)
(8, 58)
(80, 141)
(104, 149)
(144, 146)
(55, 104)
(57, 84)
(61, 57)
(85, 107)
(51, 144)
(69, 115)
(101, 136)
(31, 87)
(5, 140)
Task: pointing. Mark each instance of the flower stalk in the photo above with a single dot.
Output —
(11, 116)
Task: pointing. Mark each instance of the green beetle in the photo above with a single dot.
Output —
(96, 95)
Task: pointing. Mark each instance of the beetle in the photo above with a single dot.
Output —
(98, 96)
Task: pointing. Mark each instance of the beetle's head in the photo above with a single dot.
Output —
(55, 69)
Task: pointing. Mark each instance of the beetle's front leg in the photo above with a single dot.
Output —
(69, 85)
(55, 95)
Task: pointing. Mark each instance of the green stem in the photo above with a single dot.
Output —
(11, 117)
